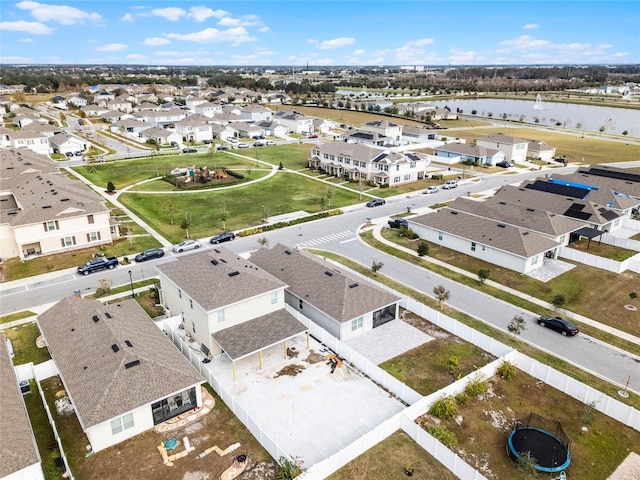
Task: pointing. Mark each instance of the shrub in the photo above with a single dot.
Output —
(445, 408)
(462, 398)
(446, 437)
(507, 370)
(288, 469)
(452, 363)
(423, 249)
(476, 386)
(483, 274)
(111, 187)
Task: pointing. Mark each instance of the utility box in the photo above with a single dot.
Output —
(25, 387)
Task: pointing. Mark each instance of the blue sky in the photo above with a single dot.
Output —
(181, 32)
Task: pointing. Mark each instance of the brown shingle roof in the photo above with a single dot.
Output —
(96, 377)
(18, 449)
(331, 290)
(261, 332)
(211, 286)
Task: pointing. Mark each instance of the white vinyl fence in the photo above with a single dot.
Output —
(621, 242)
(600, 262)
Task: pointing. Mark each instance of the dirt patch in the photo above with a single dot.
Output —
(290, 370)
(314, 357)
(424, 326)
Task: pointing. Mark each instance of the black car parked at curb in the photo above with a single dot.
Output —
(375, 202)
(222, 237)
(559, 324)
(149, 254)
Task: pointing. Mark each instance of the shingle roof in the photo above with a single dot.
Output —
(484, 231)
(261, 332)
(533, 219)
(357, 151)
(328, 288)
(211, 285)
(42, 192)
(18, 449)
(105, 381)
(468, 149)
(502, 138)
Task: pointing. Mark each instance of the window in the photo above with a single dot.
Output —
(407, 177)
(412, 165)
(562, 238)
(90, 219)
(179, 293)
(356, 324)
(191, 303)
(473, 246)
(439, 235)
(93, 236)
(397, 168)
(121, 423)
(396, 179)
(300, 304)
(49, 226)
(68, 241)
(274, 298)
(535, 260)
(193, 326)
(221, 315)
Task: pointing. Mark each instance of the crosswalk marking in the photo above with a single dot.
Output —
(326, 238)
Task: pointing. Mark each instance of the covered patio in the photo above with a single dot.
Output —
(259, 334)
(588, 232)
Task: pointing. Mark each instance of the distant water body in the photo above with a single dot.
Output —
(578, 117)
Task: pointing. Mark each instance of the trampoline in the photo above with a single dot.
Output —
(544, 440)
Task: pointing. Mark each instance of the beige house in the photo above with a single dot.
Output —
(392, 131)
(228, 305)
(121, 373)
(43, 212)
(514, 148)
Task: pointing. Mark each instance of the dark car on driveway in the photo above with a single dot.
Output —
(398, 222)
(559, 324)
(376, 202)
(189, 150)
(149, 254)
(504, 164)
(222, 237)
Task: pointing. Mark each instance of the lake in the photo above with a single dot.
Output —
(578, 117)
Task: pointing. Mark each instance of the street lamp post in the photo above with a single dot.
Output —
(131, 283)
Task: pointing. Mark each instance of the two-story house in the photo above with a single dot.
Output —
(194, 128)
(256, 113)
(392, 131)
(228, 304)
(43, 212)
(295, 121)
(514, 148)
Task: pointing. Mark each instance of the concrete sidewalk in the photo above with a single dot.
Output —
(376, 228)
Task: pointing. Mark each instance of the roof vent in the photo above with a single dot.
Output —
(214, 262)
(530, 210)
(328, 273)
(525, 233)
(128, 343)
(107, 314)
(115, 348)
(288, 252)
(234, 273)
(353, 285)
(46, 206)
(132, 364)
(64, 199)
(223, 260)
(453, 212)
(96, 318)
(216, 250)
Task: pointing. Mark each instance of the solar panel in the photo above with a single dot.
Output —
(601, 172)
(564, 190)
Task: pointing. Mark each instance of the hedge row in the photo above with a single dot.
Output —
(295, 221)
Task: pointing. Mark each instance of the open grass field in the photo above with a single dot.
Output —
(571, 146)
(23, 338)
(482, 425)
(294, 156)
(243, 205)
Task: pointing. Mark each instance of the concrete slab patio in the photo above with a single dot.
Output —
(309, 412)
(388, 341)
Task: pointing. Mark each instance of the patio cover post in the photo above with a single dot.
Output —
(260, 358)
(307, 339)
(284, 344)
(233, 363)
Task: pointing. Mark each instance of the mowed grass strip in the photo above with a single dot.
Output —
(283, 193)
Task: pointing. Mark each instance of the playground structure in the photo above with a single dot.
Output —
(533, 434)
(194, 175)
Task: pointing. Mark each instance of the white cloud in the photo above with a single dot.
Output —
(264, 29)
(336, 43)
(112, 47)
(156, 41)
(245, 21)
(461, 57)
(35, 28)
(15, 59)
(62, 14)
(26, 40)
(413, 52)
(172, 14)
(127, 17)
(213, 35)
(525, 42)
(620, 54)
(136, 57)
(530, 26)
(200, 14)
(359, 52)
(324, 61)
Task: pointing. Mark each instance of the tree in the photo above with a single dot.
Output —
(223, 215)
(517, 325)
(558, 301)
(110, 187)
(330, 192)
(442, 294)
(483, 274)
(263, 242)
(376, 266)
(171, 210)
(423, 249)
(527, 464)
(184, 224)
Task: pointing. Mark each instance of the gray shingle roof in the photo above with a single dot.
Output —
(211, 286)
(18, 449)
(261, 332)
(332, 290)
(96, 377)
(468, 149)
(41, 191)
(483, 231)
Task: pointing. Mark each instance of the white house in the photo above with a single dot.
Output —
(392, 131)
(64, 143)
(451, 153)
(341, 303)
(208, 109)
(161, 136)
(296, 122)
(256, 113)
(227, 303)
(194, 128)
(20, 456)
(514, 148)
(29, 138)
(121, 373)
(538, 149)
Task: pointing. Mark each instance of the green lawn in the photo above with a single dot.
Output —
(293, 156)
(243, 205)
(16, 316)
(23, 338)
